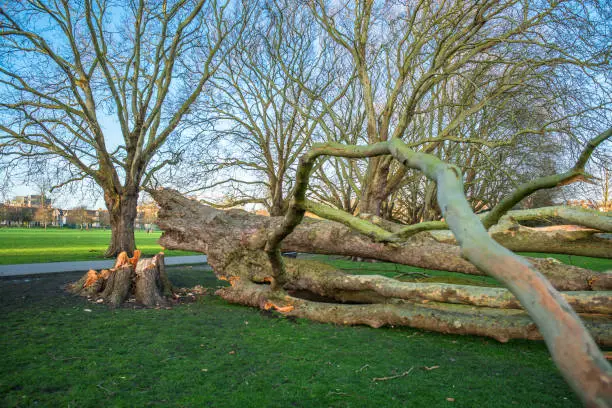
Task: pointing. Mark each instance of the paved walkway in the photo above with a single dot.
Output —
(56, 267)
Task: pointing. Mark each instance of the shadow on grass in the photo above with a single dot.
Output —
(60, 350)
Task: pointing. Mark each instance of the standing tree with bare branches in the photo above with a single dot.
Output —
(73, 72)
(263, 117)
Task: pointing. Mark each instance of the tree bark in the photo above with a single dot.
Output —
(122, 211)
(499, 324)
(278, 205)
(568, 240)
(325, 237)
(143, 280)
(233, 241)
(189, 225)
(373, 192)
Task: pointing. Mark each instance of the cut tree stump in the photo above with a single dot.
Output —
(143, 280)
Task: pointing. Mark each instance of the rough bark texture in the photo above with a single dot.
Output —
(145, 280)
(122, 210)
(232, 239)
(499, 324)
(374, 192)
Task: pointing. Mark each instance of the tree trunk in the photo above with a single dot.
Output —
(122, 212)
(142, 280)
(373, 192)
(278, 206)
(234, 242)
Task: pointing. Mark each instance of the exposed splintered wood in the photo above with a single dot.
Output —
(148, 282)
(143, 279)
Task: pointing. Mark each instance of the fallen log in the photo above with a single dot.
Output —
(144, 280)
(191, 226)
(233, 241)
(499, 324)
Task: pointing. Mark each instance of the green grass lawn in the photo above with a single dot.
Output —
(61, 351)
(33, 245)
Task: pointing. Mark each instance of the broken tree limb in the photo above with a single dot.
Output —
(330, 283)
(500, 324)
(508, 232)
(324, 237)
(586, 217)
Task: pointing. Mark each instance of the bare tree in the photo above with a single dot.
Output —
(261, 107)
(79, 216)
(43, 215)
(101, 87)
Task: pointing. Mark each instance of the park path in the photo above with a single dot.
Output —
(56, 267)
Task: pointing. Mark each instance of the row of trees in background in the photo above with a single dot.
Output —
(226, 96)
(477, 84)
(79, 217)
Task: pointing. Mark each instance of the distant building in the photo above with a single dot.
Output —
(32, 200)
(59, 217)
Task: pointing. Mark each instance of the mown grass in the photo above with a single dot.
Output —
(34, 245)
(211, 353)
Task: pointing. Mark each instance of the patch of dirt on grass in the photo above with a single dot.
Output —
(23, 291)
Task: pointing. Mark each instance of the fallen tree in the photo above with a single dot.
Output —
(238, 249)
(143, 280)
(234, 240)
(226, 235)
(246, 251)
